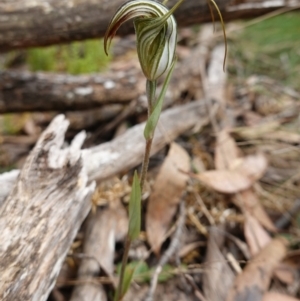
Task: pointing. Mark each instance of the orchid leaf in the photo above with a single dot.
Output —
(135, 209)
(154, 117)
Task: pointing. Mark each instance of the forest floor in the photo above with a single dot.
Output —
(221, 208)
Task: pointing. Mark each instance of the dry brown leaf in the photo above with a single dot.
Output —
(224, 181)
(226, 151)
(218, 276)
(293, 258)
(256, 132)
(273, 296)
(226, 156)
(256, 236)
(244, 173)
(253, 166)
(109, 226)
(286, 273)
(255, 279)
(284, 136)
(248, 201)
(167, 190)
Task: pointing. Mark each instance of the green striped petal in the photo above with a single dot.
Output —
(156, 32)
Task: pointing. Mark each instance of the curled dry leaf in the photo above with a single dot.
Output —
(226, 151)
(106, 227)
(218, 276)
(255, 279)
(244, 173)
(167, 190)
(286, 273)
(226, 154)
(256, 236)
(248, 201)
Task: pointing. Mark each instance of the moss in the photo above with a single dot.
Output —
(75, 58)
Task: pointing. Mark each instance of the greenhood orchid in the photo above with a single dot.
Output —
(156, 36)
(156, 32)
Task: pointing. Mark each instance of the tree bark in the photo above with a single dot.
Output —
(25, 23)
(41, 216)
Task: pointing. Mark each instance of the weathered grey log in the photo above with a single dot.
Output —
(26, 23)
(126, 151)
(41, 216)
(50, 198)
(7, 181)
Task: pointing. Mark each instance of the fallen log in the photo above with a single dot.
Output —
(42, 91)
(29, 91)
(25, 23)
(126, 151)
(41, 216)
(48, 200)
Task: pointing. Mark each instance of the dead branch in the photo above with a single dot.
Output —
(126, 151)
(27, 91)
(41, 215)
(25, 23)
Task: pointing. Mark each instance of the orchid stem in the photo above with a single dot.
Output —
(150, 91)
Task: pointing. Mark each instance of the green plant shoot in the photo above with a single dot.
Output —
(135, 209)
(128, 276)
(153, 119)
(156, 33)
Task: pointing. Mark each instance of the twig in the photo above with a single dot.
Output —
(169, 253)
(197, 292)
(233, 262)
(127, 111)
(195, 220)
(204, 209)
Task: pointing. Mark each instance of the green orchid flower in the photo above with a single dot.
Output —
(156, 32)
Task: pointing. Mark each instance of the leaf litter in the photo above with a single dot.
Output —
(246, 172)
(166, 194)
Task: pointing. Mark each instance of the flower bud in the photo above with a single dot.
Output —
(156, 33)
